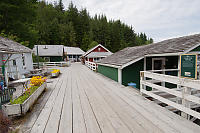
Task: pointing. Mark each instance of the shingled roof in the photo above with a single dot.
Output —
(9, 46)
(73, 51)
(49, 50)
(175, 45)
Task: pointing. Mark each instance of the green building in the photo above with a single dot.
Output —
(51, 53)
(125, 65)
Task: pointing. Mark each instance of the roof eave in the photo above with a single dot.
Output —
(109, 65)
(164, 54)
(191, 48)
(131, 62)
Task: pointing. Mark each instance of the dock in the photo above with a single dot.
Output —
(83, 101)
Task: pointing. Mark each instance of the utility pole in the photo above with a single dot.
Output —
(38, 58)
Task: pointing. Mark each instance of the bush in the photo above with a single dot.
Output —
(5, 123)
(35, 60)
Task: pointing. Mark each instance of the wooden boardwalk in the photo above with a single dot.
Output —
(82, 101)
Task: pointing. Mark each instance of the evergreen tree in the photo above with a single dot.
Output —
(33, 22)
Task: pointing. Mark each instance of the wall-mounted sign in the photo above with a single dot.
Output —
(188, 66)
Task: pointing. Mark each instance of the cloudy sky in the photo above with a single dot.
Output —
(159, 19)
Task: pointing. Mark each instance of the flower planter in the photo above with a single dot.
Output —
(20, 109)
(55, 74)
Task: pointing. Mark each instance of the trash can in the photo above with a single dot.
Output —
(132, 85)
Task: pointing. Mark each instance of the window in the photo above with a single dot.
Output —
(45, 47)
(23, 60)
(14, 63)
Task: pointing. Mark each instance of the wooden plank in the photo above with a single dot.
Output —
(78, 118)
(66, 116)
(114, 119)
(89, 115)
(40, 123)
(153, 118)
(100, 105)
(104, 123)
(168, 117)
(128, 115)
(54, 119)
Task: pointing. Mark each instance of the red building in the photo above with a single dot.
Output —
(96, 53)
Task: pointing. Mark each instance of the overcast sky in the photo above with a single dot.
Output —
(159, 19)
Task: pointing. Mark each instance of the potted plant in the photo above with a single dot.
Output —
(55, 73)
(22, 104)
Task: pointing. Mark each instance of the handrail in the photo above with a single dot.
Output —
(184, 85)
(163, 70)
(52, 63)
(91, 65)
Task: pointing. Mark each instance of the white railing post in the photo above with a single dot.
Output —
(182, 91)
(91, 65)
(142, 79)
(185, 102)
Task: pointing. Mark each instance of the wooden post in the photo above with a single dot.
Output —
(141, 79)
(145, 68)
(185, 102)
(119, 75)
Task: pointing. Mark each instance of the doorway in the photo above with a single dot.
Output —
(159, 64)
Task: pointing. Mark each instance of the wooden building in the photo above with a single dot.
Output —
(124, 66)
(96, 53)
(15, 59)
(52, 53)
(73, 53)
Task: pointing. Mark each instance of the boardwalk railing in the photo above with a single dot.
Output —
(49, 64)
(185, 91)
(91, 65)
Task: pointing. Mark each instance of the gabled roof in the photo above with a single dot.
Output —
(73, 51)
(49, 50)
(9, 46)
(170, 46)
(90, 50)
(98, 54)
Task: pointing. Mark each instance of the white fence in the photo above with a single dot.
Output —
(49, 64)
(187, 91)
(91, 65)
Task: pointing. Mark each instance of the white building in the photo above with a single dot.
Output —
(73, 53)
(16, 58)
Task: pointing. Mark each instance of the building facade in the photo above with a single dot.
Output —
(96, 53)
(51, 53)
(73, 53)
(125, 65)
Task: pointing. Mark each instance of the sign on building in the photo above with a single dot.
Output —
(188, 66)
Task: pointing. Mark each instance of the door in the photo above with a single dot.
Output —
(159, 64)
